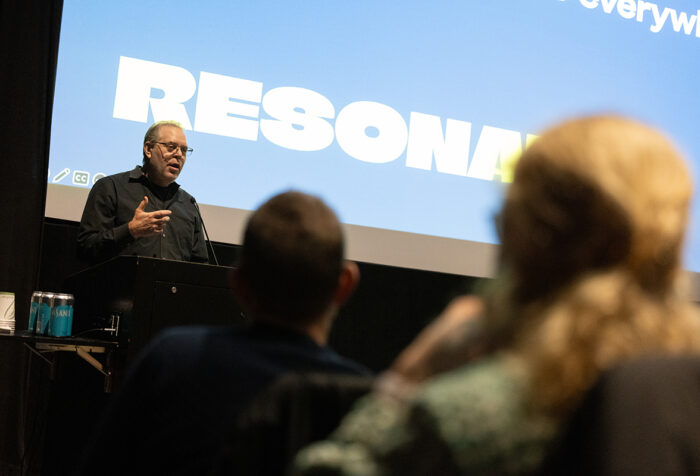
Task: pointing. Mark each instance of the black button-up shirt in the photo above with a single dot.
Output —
(104, 231)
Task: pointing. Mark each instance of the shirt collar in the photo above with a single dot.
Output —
(137, 175)
(282, 333)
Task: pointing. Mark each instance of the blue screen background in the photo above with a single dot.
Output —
(512, 64)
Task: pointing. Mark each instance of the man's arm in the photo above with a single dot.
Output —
(99, 237)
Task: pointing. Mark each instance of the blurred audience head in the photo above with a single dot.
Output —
(292, 268)
(592, 231)
(593, 194)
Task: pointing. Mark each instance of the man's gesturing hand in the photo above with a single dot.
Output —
(148, 223)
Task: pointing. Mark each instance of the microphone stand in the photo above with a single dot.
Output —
(196, 207)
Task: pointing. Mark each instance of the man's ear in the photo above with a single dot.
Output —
(347, 282)
(147, 149)
(241, 290)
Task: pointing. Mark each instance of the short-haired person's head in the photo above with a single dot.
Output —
(592, 194)
(152, 136)
(292, 258)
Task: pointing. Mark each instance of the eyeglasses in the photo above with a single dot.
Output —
(172, 147)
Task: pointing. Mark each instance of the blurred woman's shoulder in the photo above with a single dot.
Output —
(482, 413)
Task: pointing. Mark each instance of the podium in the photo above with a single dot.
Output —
(129, 299)
(120, 305)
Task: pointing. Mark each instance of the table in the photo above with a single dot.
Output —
(46, 347)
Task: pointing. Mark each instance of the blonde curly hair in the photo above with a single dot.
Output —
(592, 233)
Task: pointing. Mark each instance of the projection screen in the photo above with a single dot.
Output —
(406, 117)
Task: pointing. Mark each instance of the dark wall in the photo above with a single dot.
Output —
(29, 38)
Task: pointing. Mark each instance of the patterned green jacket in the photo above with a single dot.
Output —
(473, 421)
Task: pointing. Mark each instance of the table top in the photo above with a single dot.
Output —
(30, 337)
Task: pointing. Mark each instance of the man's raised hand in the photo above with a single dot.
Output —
(148, 223)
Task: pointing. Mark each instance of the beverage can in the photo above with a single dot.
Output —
(7, 311)
(43, 316)
(61, 321)
(34, 310)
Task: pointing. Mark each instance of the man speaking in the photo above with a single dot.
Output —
(145, 212)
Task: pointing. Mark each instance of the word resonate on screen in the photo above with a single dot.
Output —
(299, 120)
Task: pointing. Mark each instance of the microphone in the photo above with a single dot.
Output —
(196, 207)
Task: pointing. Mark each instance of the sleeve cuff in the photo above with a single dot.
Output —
(122, 235)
